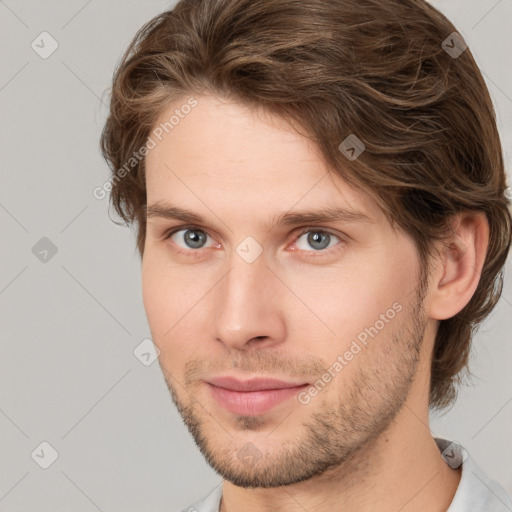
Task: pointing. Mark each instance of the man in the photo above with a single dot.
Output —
(319, 195)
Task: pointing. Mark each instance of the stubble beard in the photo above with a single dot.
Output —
(333, 436)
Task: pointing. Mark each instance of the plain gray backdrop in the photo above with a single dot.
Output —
(71, 312)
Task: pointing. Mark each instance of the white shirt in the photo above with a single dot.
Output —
(476, 492)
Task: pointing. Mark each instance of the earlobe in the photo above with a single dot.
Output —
(459, 269)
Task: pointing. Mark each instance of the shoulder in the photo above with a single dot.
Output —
(476, 492)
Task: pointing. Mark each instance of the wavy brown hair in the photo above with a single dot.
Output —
(373, 68)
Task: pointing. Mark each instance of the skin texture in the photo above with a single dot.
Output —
(364, 438)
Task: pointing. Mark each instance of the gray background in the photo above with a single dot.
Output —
(69, 325)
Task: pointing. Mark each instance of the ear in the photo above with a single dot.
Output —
(457, 270)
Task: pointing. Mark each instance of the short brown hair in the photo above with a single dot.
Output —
(376, 69)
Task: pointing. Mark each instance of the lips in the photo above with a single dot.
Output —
(252, 397)
(257, 384)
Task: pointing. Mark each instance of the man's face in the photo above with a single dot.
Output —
(329, 309)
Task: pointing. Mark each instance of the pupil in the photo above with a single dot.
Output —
(194, 238)
(316, 237)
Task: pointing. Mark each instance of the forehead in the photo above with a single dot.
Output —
(224, 151)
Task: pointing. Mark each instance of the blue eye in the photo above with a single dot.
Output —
(317, 239)
(193, 238)
(190, 239)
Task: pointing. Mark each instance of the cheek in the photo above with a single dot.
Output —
(345, 301)
(154, 296)
(162, 304)
(164, 290)
(172, 301)
(338, 294)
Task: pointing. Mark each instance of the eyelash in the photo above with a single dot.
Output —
(196, 253)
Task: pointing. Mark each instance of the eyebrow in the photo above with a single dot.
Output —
(289, 218)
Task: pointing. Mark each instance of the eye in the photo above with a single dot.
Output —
(316, 239)
(188, 238)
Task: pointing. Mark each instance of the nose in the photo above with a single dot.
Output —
(248, 306)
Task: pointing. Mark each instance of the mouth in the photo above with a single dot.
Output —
(252, 397)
